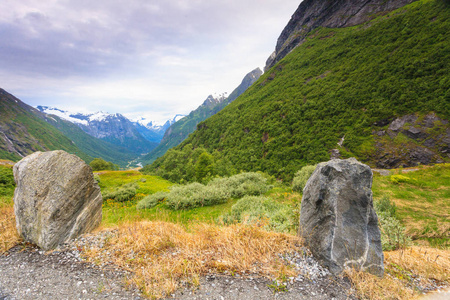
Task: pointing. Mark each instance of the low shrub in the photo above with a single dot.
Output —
(243, 184)
(261, 210)
(393, 234)
(301, 177)
(195, 195)
(124, 193)
(217, 191)
(7, 184)
(152, 200)
(397, 179)
(385, 206)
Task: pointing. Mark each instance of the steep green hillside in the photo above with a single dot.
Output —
(343, 84)
(22, 133)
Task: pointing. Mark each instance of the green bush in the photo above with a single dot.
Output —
(243, 184)
(98, 164)
(301, 177)
(392, 232)
(152, 200)
(195, 195)
(258, 209)
(124, 193)
(385, 206)
(217, 191)
(397, 179)
(7, 183)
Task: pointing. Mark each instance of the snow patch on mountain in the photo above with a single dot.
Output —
(65, 115)
(177, 118)
(101, 116)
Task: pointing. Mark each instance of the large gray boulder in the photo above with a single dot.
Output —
(337, 219)
(56, 198)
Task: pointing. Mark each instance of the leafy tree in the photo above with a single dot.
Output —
(98, 164)
(204, 167)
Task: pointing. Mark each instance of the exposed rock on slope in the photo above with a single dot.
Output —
(330, 13)
(423, 140)
(56, 198)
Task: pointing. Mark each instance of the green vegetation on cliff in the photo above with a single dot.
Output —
(339, 82)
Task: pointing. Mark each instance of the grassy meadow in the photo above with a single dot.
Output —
(422, 199)
(166, 246)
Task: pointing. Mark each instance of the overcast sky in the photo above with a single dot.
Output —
(151, 58)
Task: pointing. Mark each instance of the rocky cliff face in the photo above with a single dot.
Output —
(329, 13)
(411, 140)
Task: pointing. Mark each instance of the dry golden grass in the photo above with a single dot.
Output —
(8, 233)
(401, 268)
(164, 255)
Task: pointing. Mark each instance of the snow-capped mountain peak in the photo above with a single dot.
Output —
(101, 116)
(62, 114)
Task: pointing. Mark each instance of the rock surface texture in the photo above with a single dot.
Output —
(329, 13)
(56, 198)
(411, 140)
(337, 218)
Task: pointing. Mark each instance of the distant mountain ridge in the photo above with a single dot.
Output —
(214, 103)
(153, 132)
(113, 128)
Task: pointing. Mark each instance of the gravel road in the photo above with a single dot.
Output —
(28, 273)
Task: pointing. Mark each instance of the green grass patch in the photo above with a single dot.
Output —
(422, 201)
(117, 213)
(109, 181)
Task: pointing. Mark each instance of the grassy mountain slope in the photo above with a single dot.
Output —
(181, 129)
(91, 145)
(22, 132)
(341, 82)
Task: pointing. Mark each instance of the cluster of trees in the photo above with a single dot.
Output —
(98, 164)
(340, 81)
(190, 164)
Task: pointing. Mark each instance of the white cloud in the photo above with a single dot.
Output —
(134, 56)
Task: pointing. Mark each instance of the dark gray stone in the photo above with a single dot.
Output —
(398, 123)
(56, 198)
(338, 221)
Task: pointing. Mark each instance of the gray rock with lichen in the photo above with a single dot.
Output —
(56, 198)
(338, 221)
